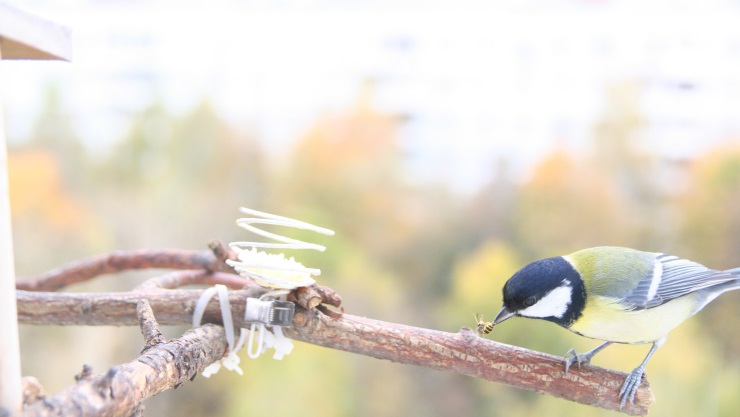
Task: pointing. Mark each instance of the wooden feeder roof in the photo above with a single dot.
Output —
(26, 36)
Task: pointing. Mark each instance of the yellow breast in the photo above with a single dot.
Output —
(603, 318)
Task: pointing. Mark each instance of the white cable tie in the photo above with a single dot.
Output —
(231, 362)
(200, 306)
(250, 351)
(212, 369)
(268, 342)
(223, 299)
(283, 345)
(242, 339)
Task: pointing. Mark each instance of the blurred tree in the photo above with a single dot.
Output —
(490, 212)
(136, 162)
(620, 153)
(395, 243)
(566, 206)
(348, 167)
(206, 151)
(174, 170)
(616, 135)
(348, 164)
(45, 213)
(478, 278)
(403, 253)
(49, 179)
(711, 232)
(53, 130)
(209, 161)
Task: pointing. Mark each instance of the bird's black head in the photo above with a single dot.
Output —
(549, 289)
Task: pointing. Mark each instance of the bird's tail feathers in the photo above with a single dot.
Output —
(733, 284)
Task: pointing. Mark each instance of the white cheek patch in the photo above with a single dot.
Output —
(554, 304)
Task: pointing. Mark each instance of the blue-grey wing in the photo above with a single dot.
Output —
(672, 277)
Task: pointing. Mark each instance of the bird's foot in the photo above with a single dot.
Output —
(630, 386)
(578, 358)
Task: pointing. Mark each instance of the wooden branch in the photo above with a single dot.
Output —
(173, 307)
(149, 326)
(461, 352)
(120, 391)
(184, 278)
(466, 353)
(86, 269)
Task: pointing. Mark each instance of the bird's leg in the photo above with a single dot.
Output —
(632, 383)
(582, 358)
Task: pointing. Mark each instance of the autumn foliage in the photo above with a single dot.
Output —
(421, 254)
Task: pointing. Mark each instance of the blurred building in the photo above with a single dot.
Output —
(474, 82)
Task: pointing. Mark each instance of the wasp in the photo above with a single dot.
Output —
(484, 327)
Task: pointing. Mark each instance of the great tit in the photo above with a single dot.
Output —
(614, 294)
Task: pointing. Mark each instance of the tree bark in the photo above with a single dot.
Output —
(120, 391)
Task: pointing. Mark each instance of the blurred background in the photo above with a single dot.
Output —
(447, 144)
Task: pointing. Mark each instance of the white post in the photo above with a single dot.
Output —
(10, 357)
(22, 36)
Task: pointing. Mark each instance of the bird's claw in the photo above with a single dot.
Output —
(578, 358)
(630, 386)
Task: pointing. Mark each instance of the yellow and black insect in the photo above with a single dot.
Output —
(484, 327)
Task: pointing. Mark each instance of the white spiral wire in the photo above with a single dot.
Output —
(263, 218)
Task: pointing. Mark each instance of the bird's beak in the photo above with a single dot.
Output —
(503, 315)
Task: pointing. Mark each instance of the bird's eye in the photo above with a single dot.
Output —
(529, 302)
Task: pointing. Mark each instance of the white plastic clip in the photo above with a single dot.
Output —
(270, 312)
(280, 314)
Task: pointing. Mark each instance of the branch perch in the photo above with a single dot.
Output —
(461, 352)
(120, 391)
(87, 269)
(466, 353)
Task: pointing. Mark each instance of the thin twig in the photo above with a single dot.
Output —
(461, 352)
(87, 269)
(184, 278)
(149, 326)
